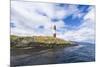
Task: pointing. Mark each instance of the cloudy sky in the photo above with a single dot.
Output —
(74, 22)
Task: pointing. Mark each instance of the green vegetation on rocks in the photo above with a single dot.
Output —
(37, 42)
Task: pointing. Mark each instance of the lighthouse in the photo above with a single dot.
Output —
(54, 33)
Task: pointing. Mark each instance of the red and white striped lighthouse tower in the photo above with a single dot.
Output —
(54, 33)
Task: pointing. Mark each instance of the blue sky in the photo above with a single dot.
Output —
(74, 22)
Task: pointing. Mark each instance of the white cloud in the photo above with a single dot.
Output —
(62, 12)
(25, 17)
(86, 31)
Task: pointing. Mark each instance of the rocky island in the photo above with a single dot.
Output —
(38, 42)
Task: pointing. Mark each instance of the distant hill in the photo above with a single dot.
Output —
(38, 41)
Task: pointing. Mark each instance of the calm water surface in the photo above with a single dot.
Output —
(84, 52)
